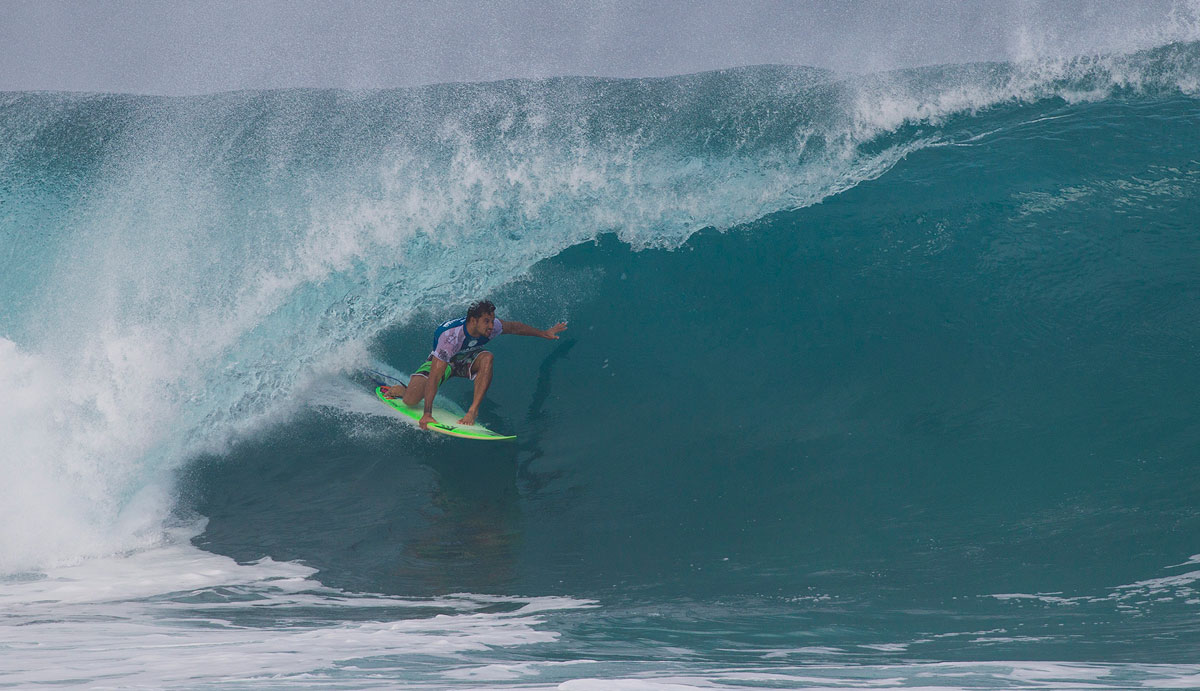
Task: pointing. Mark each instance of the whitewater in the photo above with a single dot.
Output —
(882, 380)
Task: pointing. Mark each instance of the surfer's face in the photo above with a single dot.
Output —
(483, 325)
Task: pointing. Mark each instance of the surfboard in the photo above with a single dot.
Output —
(445, 421)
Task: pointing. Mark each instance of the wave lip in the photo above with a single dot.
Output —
(889, 101)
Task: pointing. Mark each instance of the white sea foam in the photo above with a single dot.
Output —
(63, 501)
(946, 676)
(178, 616)
(1175, 588)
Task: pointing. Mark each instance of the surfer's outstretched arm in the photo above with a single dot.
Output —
(436, 369)
(519, 329)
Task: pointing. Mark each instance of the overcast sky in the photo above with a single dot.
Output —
(186, 47)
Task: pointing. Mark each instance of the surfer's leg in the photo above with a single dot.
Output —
(416, 389)
(481, 374)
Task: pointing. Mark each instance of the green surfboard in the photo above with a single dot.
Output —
(445, 421)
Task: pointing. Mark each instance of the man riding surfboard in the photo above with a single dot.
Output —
(458, 352)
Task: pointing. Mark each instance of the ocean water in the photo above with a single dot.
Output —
(876, 381)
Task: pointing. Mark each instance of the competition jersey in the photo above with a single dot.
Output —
(451, 340)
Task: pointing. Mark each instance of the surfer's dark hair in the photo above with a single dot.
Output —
(478, 309)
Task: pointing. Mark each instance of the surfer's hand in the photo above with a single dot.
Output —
(425, 420)
(469, 418)
(552, 332)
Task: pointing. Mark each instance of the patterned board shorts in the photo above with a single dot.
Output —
(458, 367)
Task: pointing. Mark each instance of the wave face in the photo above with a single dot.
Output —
(905, 361)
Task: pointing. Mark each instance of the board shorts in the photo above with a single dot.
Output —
(458, 367)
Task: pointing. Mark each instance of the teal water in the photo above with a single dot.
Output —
(875, 381)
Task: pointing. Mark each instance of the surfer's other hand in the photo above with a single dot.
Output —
(552, 332)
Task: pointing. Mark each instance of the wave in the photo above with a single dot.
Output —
(177, 268)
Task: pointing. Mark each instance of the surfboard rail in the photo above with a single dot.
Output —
(476, 431)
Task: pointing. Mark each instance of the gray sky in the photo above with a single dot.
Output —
(184, 47)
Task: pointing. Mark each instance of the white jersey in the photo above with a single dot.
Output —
(452, 342)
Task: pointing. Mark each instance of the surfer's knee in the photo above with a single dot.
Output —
(415, 391)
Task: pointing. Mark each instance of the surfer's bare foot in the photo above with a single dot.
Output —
(469, 418)
(396, 391)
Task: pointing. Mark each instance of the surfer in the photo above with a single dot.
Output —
(458, 352)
